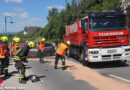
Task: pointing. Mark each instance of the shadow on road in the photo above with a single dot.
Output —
(7, 77)
(38, 77)
(114, 64)
(10, 75)
(28, 67)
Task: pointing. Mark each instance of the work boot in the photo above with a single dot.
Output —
(64, 68)
(22, 80)
(41, 61)
(7, 73)
(55, 67)
(25, 78)
(25, 61)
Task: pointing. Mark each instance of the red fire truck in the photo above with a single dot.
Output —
(99, 37)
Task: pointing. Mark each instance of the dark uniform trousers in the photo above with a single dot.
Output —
(4, 63)
(62, 59)
(21, 67)
(41, 55)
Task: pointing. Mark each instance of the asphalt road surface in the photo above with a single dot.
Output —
(52, 79)
(57, 79)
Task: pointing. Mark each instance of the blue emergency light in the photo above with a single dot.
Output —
(90, 12)
(108, 13)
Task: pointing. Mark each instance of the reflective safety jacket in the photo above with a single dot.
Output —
(41, 46)
(4, 51)
(22, 52)
(16, 47)
(62, 49)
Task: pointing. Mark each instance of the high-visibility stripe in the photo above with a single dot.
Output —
(21, 76)
(6, 68)
(63, 60)
(17, 58)
(2, 56)
(60, 51)
(63, 65)
(19, 50)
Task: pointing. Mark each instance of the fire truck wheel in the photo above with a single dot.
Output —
(82, 58)
(69, 54)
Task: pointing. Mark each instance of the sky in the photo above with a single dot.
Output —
(26, 13)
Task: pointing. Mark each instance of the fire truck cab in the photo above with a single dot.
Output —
(99, 37)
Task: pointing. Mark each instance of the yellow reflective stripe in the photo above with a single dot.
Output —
(2, 56)
(19, 50)
(6, 68)
(17, 58)
(63, 60)
(61, 48)
(21, 76)
(60, 51)
(63, 65)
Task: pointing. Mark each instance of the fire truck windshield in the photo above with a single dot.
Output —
(107, 23)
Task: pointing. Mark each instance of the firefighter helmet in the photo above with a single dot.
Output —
(68, 43)
(17, 39)
(31, 44)
(4, 38)
(43, 39)
(14, 39)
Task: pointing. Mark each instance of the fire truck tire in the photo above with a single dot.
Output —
(82, 57)
(68, 54)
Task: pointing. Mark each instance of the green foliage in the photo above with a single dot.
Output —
(1, 34)
(55, 29)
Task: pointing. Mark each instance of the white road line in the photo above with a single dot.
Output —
(120, 78)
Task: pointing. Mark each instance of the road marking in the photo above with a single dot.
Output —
(120, 78)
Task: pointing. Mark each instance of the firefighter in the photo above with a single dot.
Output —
(41, 46)
(4, 55)
(60, 54)
(23, 52)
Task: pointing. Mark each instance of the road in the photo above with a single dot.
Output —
(111, 69)
(52, 79)
(57, 79)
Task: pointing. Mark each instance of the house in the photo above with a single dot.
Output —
(28, 30)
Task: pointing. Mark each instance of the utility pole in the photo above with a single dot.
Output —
(66, 1)
(3, 32)
(6, 23)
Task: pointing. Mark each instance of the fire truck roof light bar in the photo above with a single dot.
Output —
(110, 13)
